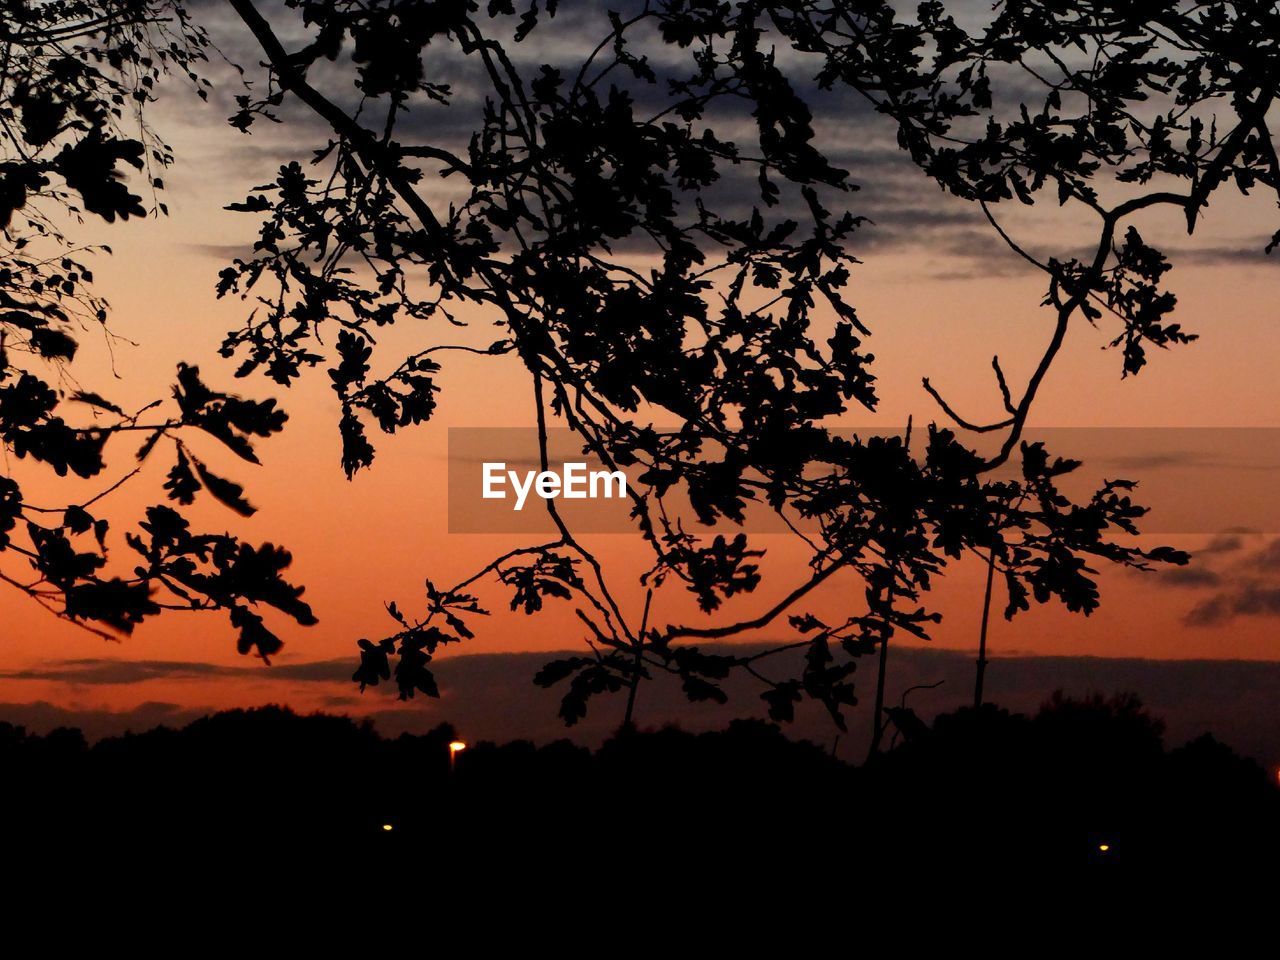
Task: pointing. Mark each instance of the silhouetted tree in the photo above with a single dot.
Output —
(1115, 108)
(531, 199)
(590, 199)
(76, 78)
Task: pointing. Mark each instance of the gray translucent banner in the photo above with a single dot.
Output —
(1196, 480)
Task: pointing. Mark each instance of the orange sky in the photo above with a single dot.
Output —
(359, 543)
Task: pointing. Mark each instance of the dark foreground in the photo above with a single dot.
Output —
(267, 800)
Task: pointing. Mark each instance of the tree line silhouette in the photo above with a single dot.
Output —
(1082, 790)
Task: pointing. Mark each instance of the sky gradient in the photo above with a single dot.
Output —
(940, 295)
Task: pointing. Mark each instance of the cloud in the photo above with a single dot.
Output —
(1251, 254)
(316, 671)
(1154, 461)
(1268, 558)
(1189, 576)
(1248, 587)
(907, 209)
(1248, 600)
(115, 672)
(224, 252)
(104, 672)
(1240, 567)
(1223, 543)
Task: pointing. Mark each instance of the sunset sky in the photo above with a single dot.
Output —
(940, 294)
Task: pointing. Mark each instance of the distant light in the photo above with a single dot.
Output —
(457, 746)
(387, 827)
(1104, 847)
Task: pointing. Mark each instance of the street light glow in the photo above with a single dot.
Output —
(1104, 847)
(387, 827)
(455, 748)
